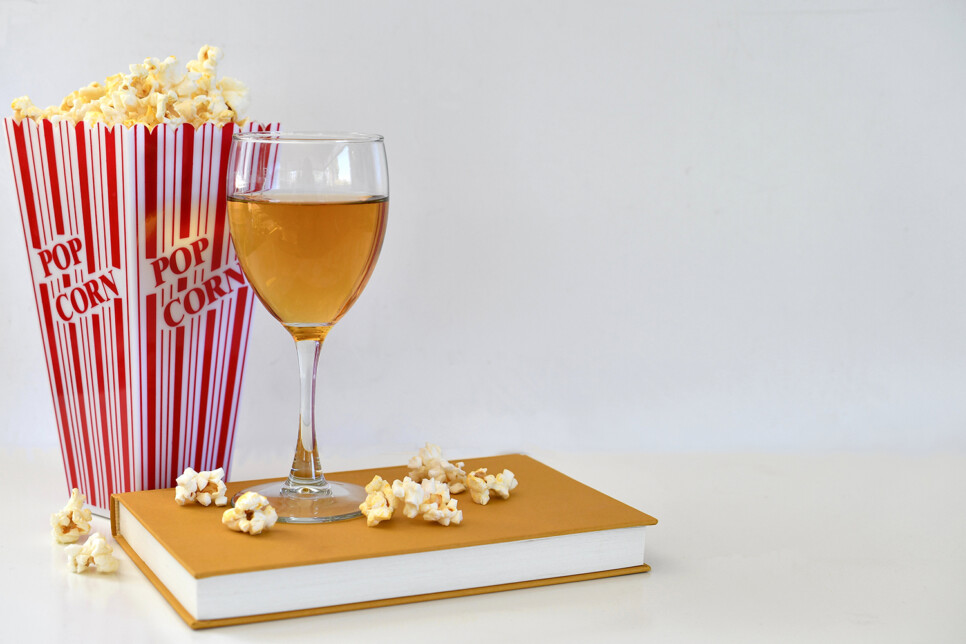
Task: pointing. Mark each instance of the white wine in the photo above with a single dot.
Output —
(307, 261)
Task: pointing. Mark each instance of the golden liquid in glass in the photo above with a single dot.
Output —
(307, 261)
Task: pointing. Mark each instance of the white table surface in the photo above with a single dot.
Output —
(749, 548)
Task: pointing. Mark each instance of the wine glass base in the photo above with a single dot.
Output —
(340, 502)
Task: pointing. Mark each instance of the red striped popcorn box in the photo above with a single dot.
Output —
(143, 309)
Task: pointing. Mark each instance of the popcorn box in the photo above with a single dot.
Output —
(143, 308)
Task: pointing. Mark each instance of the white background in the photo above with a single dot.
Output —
(644, 230)
(687, 226)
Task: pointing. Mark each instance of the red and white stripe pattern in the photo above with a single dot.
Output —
(143, 310)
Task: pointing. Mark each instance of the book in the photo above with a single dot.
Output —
(553, 529)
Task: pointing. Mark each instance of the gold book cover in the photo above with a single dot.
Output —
(544, 509)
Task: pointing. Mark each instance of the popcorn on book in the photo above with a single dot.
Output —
(411, 494)
(427, 491)
(380, 502)
(437, 505)
(429, 500)
(96, 553)
(201, 487)
(481, 484)
(73, 521)
(252, 514)
(430, 464)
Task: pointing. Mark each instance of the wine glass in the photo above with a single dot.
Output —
(307, 213)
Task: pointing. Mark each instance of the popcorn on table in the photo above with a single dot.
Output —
(430, 464)
(201, 487)
(95, 552)
(252, 514)
(481, 484)
(73, 521)
(156, 91)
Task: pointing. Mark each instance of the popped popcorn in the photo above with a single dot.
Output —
(73, 521)
(155, 92)
(252, 514)
(427, 491)
(95, 552)
(430, 464)
(411, 494)
(429, 500)
(201, 487)
(481, 484)
(437, 505)
(380, 502)
(503, 483)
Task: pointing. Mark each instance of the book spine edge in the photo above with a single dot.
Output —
(115, 521)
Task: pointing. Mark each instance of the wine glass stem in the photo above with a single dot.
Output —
(306, 475)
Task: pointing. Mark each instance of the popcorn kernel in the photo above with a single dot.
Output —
(252, 514)
(201, 487)
(430, 464)
(94, 553)
(380, 502)
(481, 484)
(72, 521)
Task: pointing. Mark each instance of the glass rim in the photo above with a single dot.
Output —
(278, 136)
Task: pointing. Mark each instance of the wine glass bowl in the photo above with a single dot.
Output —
(307, 213)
